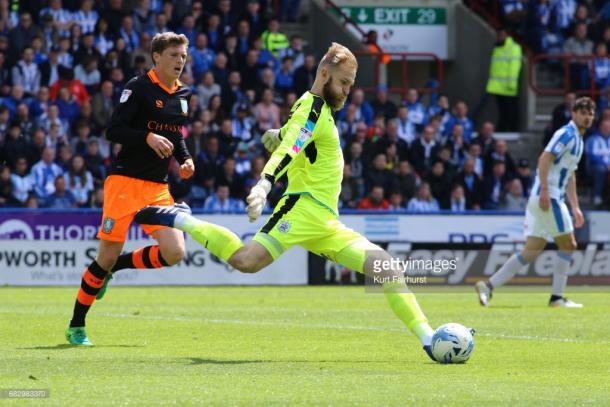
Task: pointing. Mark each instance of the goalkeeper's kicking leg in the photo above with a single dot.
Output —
(220, 241)
(252, 257)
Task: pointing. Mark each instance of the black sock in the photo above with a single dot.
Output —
(92, 281)
(125, 261)
(555, 297)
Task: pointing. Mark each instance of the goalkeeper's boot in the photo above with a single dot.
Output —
(77, 336)
(485, 291)
(161, 215)
(563, 302)
(103, 288)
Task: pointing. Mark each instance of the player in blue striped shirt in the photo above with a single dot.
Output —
(547, 215)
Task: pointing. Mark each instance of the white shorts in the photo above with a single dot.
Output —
(550, 224)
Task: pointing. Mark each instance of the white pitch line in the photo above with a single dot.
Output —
(340, 327)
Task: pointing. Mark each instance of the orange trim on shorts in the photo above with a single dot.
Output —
(85, 298)
(92, 280)
(137, 258)
(154, 257)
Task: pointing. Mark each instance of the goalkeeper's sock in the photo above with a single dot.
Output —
(560, 275)
(407, 309)
(148, 257)
(515, 263)
(220, 241)
(92, 281)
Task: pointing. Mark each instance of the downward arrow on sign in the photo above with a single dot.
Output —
(362, 15)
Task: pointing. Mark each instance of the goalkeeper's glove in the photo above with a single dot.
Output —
(257, 199)
(271, 139)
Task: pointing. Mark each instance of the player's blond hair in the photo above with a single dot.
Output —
(161, 41)
(336, 55)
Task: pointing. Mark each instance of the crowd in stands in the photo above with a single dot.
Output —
(63, 67)
(566, 27)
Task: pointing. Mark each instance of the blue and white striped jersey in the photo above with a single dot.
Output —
(567, 147)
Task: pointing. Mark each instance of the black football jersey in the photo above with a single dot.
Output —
(148, 106)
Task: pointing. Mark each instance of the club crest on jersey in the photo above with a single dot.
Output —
(125, 95)
(185, 106)
(283, 227)
(108, 225)
(304, 135)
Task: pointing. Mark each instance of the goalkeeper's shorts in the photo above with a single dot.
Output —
(300, 220)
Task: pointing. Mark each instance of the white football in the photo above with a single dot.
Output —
(452, 343)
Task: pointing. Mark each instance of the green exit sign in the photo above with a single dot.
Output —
(397, 15)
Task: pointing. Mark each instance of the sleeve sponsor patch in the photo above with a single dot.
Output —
(304, 135)
(125, 95)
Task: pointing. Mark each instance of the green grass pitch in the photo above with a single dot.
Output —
(299, 346)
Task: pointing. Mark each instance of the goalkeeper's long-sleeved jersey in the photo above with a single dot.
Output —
(310, 151)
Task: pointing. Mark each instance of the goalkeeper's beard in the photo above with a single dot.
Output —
(334, 100)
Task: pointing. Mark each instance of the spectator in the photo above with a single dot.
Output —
(524, 173)
(423, 151)
(472, 184)
(305, 75)
(242, 125)
(243, 160)
(406, 129)
(61, 198)
(103, 38)
(76, 87)
(15, 145)
(439, 184)
(21, 180)
(26, 73)
(289, 10)
(295, 51)
(64, 156)
(456, 145)
(88, 74)
(229, 176)
(374, 200)
(87, 51)
(255, 18)
(457, 202)
(49, 70)
(417, 112)
(503, 81)
(22, 35)
(273, 40)
(485, 138)
(6, 188)
(350, 189)
(443, 111)
(382, 105)
(493, 185)
(214, 33)
(66, 103)
(423, 201)
(577, 45)
(94, 162)
(86, 17)
(461, 117)
(396, 202)
(62, 18)
(379, 175)
(79, 181)
(391, 136)
(285, 75)
(206, 89)
(222, 203)
(364, 111)
(474, 153)
(243, 38)
(598, 160)
(406, 181)
(16, 97)
(102, 105)
(188, 28)
(267, 113)
(24, 121)
(227, 17)
(500, 153)
(44, 173)
(601, 67)
(514, 199)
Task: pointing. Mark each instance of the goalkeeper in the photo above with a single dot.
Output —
(307, 148)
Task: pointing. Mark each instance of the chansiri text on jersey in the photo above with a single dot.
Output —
(154, 125)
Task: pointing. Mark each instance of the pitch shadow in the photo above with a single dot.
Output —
(69, 346)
